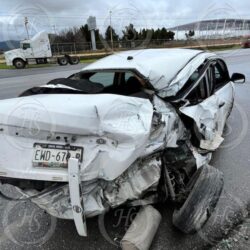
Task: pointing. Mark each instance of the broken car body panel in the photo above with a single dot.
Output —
(121, 138)
(210, 116)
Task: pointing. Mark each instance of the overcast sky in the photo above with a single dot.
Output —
(56, 15)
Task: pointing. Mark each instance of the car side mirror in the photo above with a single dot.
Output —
(238, 78)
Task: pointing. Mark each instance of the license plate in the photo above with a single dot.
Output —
(55, 156)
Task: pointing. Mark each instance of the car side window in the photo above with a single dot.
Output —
(220, 74)
(124, 76)
(211, 84)
(104, 78)
(26, 46)
(202, 90)
(128, 75)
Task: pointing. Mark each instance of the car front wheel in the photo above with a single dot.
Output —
(205, 189)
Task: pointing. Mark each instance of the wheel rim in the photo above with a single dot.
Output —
(19, 64)
(63, 61)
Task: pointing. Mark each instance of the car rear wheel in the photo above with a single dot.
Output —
(19, 64)
(206, 187)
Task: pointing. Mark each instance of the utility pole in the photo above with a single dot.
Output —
(207, 35)
(26, 21)
(224, 28)
(111, 31)
(92, 27)
(216, 28)
(243, 27)
(234, 28)
(54, 28)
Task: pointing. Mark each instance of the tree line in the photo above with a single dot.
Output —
(129, 33)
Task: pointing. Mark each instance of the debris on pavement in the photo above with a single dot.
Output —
(238, 239)
(142, 230)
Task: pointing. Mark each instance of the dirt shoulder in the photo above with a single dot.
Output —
(238, 238)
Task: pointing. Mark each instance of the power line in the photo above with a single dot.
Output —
(117, 17)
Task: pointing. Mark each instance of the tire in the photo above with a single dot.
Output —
(19, 63)
(74, 60)
(206, 187)
(62, 61)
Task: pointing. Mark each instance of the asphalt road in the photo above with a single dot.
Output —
(23, 226)
(9, 73)
(13, 81)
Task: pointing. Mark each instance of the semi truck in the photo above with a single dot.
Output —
(36, 50)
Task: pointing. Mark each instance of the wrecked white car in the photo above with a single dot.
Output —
(134, 128)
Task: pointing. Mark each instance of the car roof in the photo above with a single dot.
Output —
(159, 66)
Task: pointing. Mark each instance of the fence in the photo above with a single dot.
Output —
(205, 36)
(81, 47)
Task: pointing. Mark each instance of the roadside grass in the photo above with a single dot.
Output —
(88, 60)
(4, 66)
(222, 48)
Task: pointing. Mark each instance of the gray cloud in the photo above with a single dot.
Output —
(47, 14)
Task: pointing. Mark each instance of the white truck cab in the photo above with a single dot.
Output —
(37, 48)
